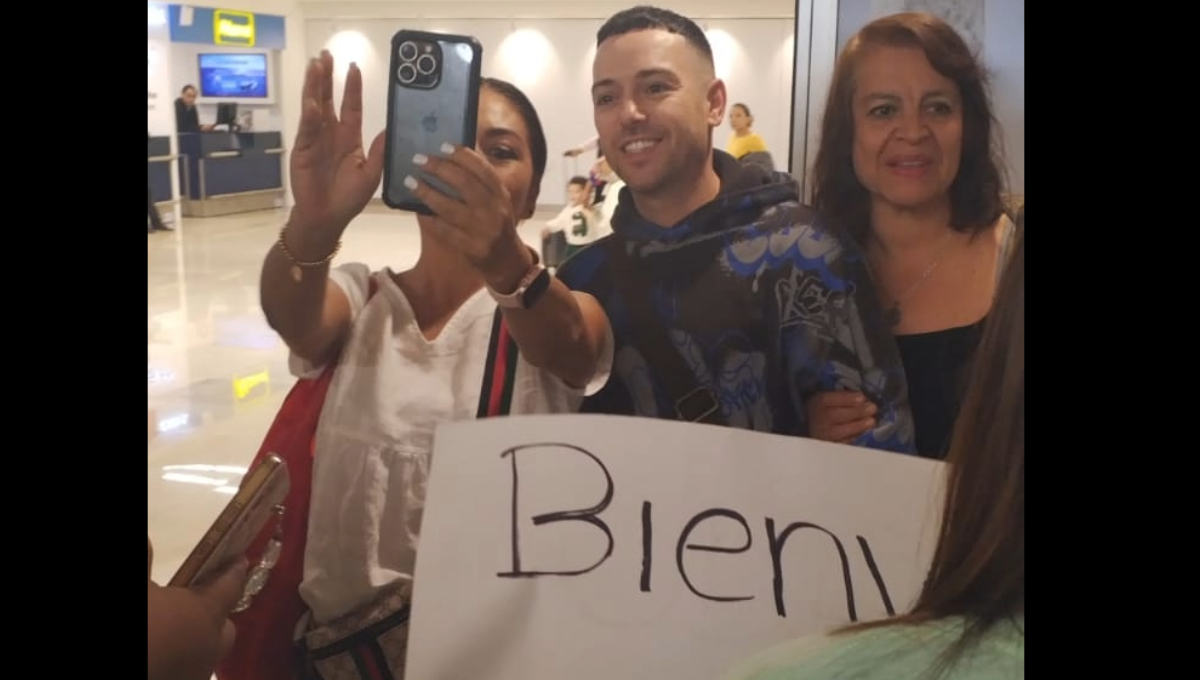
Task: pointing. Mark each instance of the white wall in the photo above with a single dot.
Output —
(529, 9)
(1004, 55)
(291, 64)
(160, 110)
(550, 59)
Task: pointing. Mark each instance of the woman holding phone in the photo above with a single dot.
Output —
(411, 348)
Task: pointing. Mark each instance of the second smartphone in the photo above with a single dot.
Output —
(265, 486)
(433, 98)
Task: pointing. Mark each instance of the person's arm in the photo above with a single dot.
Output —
(593, 143)
(852, 350)
(312, 315)
(332, 178)
(566, 332)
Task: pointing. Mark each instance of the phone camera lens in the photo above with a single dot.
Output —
(408, 50)
(407, 73)
(426, 64)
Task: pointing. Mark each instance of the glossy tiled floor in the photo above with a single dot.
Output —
(216, 372)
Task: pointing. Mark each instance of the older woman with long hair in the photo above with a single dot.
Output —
(969, 620)
(909, 168)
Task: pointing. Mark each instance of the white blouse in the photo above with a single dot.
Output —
(391, 389)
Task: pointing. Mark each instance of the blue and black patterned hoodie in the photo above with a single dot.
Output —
(765, 305)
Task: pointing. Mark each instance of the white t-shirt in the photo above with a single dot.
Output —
(391, 389)
(612, 197)
(564, 221)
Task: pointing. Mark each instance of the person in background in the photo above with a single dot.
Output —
(730, 303)
(607, 193)
(593, 143)
(969, 620)
(576, 220)
(601, 176)
(187, 118)
(188, 629)
(743, 140)
(908, 168)
(156, 221)
(599, 184)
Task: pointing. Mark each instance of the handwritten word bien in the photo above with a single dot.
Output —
(776, 538)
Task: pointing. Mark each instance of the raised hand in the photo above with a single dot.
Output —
(332, 177)
(839, 416)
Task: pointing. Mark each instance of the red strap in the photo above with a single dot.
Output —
(263, 649)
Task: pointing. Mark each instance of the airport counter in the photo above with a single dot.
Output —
(223, 173)
(158, 169)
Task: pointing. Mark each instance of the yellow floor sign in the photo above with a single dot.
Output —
(244, 385)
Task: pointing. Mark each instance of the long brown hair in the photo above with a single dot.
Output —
(978, 568)
(977, 193)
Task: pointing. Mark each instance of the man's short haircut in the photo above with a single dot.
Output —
(644, 18)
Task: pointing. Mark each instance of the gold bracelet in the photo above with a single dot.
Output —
(298, 267)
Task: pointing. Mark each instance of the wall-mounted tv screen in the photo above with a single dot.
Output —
(233, 74)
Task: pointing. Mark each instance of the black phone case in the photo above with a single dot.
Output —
(420, 119)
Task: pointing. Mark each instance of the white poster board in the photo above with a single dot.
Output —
(639, 548)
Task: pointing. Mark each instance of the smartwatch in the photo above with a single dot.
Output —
(533, 286)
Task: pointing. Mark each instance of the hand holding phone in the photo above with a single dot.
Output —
(188, 629)
(251, 509)
(481, 223)
(331, 175)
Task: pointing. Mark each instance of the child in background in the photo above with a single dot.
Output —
(604, 205)
(577, 220)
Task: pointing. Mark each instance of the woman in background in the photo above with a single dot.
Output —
(909, 169)
(606, 197)
(743, 140)
(969, 621)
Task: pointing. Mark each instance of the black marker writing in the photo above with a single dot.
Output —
(684, 545)
(870, 558)
(777, 542)
(587, 515)
(647, 546)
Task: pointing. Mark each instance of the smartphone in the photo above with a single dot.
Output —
(433, 98)
(264, 487)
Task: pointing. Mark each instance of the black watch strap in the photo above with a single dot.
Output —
(536, 289)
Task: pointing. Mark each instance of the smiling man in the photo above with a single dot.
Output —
(729, 304)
